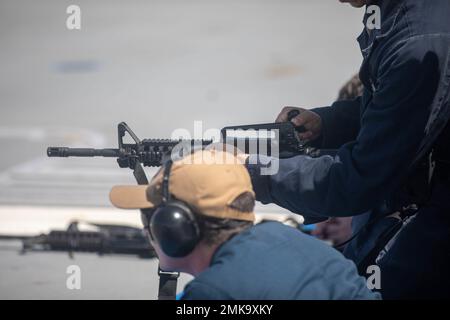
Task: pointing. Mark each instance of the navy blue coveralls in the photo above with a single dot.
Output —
(405, 71)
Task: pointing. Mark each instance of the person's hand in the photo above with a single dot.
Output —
(336, 230)
(310, 120)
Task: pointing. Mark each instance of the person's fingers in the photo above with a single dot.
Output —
(340, 230)
(338, 236)
(334, 228)
(318, 230)
(305, 135)
(283, 115)
(300, 120)
(320, 235)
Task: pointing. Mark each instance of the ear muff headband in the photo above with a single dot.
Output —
(165, 182)
(173, 225)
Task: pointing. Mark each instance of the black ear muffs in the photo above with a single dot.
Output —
(174, 227)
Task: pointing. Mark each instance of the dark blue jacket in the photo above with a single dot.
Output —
(273, 261)
(406, 75)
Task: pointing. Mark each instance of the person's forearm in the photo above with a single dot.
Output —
(315, 188)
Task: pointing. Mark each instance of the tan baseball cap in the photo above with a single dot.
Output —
(207, 180)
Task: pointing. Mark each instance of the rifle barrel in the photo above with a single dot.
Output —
(82, 152)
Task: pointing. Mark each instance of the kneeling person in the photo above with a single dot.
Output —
(199, 219)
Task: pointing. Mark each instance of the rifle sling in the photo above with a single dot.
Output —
(167, 280)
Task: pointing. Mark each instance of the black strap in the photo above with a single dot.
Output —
(382, 241)
(139, 174)
(165, 182)
(167, 280)
(167, 285)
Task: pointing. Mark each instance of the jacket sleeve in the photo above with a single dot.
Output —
(340, 123)
(365, 171)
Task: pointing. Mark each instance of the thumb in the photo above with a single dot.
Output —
(300, 120)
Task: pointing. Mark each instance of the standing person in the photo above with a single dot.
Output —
(338, 229)
(377, 175)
